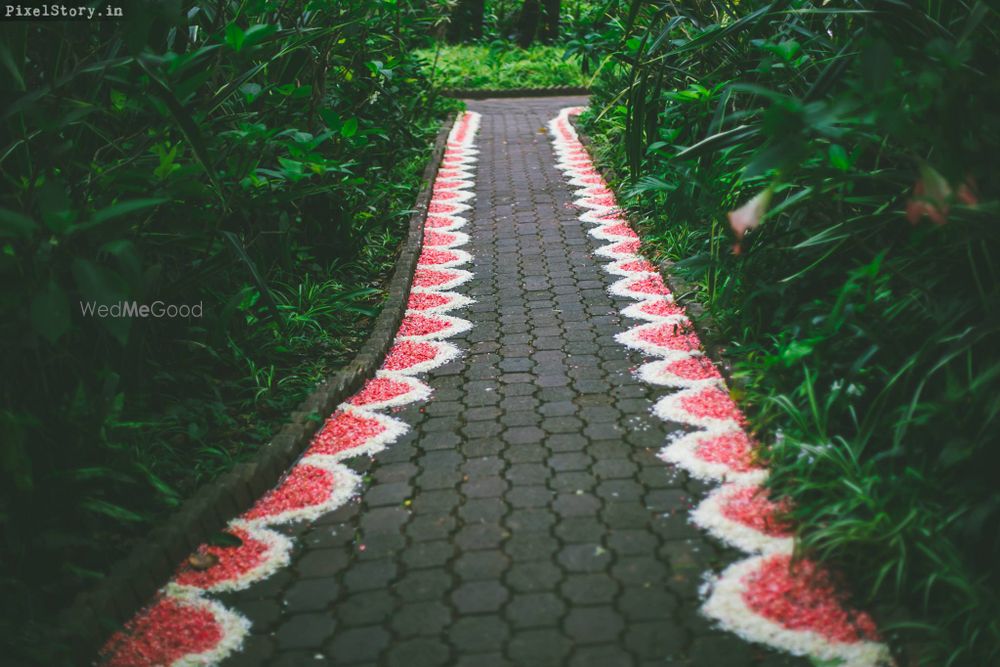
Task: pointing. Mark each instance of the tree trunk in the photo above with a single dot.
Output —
(550, 28)
(527, 23)
(466, 21)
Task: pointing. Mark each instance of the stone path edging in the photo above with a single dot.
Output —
(133, 580)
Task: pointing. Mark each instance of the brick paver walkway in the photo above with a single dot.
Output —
(526, 518)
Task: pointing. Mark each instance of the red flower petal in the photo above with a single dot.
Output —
(432, 256)
(443, 195)
(661, 308)
(733, 450)
(407, 353)
(625, 248)
(621, 229)
(344, 431)
(232, 561)
(425, 300)
(638, 266)
(436, 221)
(162, 633)
(652, 284)
(671, 336)
(694, 368)
(421, 325)
(304, 486)
(432, 277)
(438, 238)
(441, 207)
(712, 403)
(600, 201)
(803, 596)
(750, 506)
(377, 390)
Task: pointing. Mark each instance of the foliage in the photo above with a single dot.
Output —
(256, 158)
(500, 66)
(866, 344)
(500, 19)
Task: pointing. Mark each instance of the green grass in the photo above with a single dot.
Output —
(501, 68)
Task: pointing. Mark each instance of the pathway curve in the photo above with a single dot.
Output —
(513, 507)
(525, 518)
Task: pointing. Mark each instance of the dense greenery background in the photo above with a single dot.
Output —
(258, 158)
(862, 311)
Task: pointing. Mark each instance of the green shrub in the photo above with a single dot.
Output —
(866, 345)
(255, 158)
(501, 66)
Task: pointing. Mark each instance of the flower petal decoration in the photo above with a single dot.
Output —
(182, 627)
(389, 389)
(410, 356)
(662, 338)
(351, 431)
(718, 447)
(258, 554)
(688, 371)
(419, 326)
(309, 490)
(742, 516)
(795, 607)
(176, 631)
(433, 301)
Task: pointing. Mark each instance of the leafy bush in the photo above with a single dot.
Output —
(255, 158)
(861, 311)
(500, 66)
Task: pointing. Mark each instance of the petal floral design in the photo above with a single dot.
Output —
(179, 632)
(759, 600)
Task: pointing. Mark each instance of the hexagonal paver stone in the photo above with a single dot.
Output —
(423, 652)
(357, 644)
(534, 576)
(584, 557)
(589, 588)
(539, 647)
(587, 625)
(722, 650)
(481, 565)
(305, 630)
(371, 575)
(311, 594)
(478, 633)
(423, 585)
(421, 618)
(479, 596)
(656, 641)
(606, 655)
(364, 608)
(322, 563)
(535, 610)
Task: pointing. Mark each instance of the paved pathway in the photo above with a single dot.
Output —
(525, 519)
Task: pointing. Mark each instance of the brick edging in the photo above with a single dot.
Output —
(683, 291)
(485, 93)
(133, 580)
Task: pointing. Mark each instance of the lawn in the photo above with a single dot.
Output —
(501, 67)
